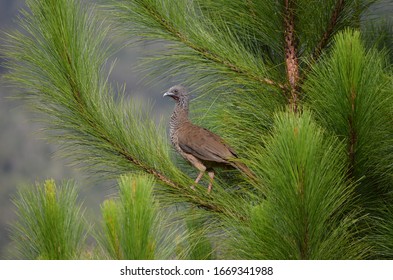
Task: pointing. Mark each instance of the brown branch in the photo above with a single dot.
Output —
(151, 171)
(291, 59)
(339, 7)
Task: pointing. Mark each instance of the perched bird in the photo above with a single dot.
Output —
(201, 147)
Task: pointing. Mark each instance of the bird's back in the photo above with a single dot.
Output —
(203, 144)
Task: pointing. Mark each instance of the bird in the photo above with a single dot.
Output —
(199, 146)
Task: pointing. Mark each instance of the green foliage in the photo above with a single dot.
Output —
(382, 236)
(323, 168)
(199, 246)
(130, 222)
(50, 222)
(379, 35)
(206, 53)
(352, 97)
(256, 22)
(309, 212)
(58, 63)
(319, 17)
(350, 93)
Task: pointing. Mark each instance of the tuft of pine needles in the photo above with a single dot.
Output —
(351, 95)
(310, 211)
(130, 222)
(50, 223)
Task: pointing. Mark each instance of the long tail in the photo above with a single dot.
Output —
(243, 168)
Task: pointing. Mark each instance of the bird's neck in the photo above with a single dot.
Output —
(179, 115)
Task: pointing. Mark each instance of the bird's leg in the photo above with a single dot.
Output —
(199, 165)
(210, 172)
(197, 179)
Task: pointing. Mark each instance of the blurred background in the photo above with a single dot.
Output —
(26, 158)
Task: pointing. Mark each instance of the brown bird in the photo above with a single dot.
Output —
(201, 147)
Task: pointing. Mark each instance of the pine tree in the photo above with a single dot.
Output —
(301, 89)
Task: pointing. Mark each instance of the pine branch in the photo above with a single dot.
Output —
(291, 59)
(84, 112)
(152, 19)
(50, 222)
(310, 208)
(339, 7)
(351, 95)
(132, 224)
(208, 54)
(58, 63)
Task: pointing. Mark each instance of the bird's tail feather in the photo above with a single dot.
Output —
(243, 168)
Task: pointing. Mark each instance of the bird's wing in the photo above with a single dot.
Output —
(204, 144)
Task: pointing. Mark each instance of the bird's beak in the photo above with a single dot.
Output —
(167, 94)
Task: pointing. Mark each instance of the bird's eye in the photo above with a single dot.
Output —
(175, 90)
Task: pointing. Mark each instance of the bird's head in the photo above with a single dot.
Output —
(176, 92)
